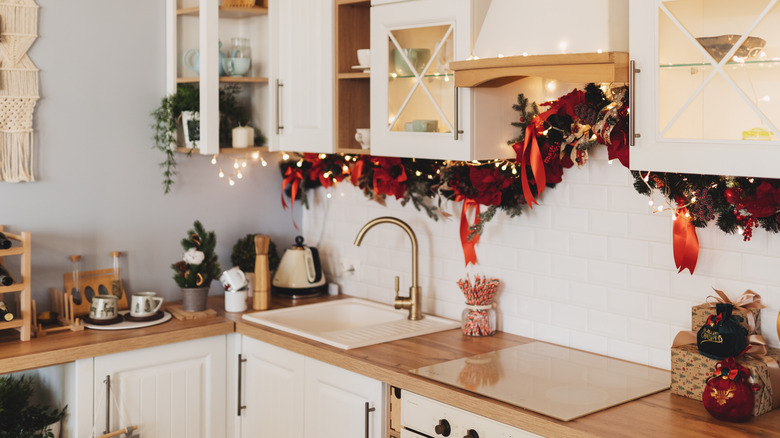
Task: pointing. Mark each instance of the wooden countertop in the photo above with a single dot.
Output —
(658, 415)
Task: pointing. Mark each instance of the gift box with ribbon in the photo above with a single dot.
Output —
(747, 310)
(690, 371)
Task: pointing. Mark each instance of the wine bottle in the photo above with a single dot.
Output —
(5, 277)
(4, 313)
(5, 242)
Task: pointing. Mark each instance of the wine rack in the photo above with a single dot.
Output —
(23, 313)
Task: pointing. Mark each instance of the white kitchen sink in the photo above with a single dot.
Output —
(349, 323)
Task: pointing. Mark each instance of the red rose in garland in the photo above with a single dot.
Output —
(489, 184)
(389, 176)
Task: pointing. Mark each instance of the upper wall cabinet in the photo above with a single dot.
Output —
(707, 86)
(195, 31)
(416, 110)
(302, 75)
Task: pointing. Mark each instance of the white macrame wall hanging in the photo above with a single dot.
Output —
(18, 89)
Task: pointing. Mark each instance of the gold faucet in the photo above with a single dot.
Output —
(414, 301)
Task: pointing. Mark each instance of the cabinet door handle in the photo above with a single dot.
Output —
(456, 125)
(240, 406)
(108, 404)
(279, 125)
(368, 411)
(632, 134)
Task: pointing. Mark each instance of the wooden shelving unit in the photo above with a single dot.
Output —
(23, 317)
(352, 88)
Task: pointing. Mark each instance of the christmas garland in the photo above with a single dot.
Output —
(556, 139)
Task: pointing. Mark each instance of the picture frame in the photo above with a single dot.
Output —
(190, 123)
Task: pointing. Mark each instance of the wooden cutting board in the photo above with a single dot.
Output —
(178, 312)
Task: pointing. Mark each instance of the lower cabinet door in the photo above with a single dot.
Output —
(271, 390)
(175, 390)
(340, 403)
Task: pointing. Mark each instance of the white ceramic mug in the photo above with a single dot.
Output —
(363, 136)
(145, 304)
(235, 301)
(233, 279)
(364, 57)
(103, 307)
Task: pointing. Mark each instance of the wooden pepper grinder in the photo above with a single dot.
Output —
(262, 286)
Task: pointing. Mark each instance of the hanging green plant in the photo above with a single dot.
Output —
(167, 117)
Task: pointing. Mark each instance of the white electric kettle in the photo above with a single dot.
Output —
(299, 273)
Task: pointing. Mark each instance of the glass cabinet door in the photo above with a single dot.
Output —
(420, 92)
(413, 95)
(707, 86)
(719, 64)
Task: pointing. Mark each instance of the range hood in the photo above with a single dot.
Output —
(567, 40)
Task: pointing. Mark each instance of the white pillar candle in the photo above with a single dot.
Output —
(243, 136)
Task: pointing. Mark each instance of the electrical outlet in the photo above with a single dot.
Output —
(348, 267)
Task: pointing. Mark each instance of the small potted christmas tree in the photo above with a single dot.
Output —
(198, 267)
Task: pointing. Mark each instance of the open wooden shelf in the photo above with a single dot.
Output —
(23, 315)
(227, 12)
(351, 151)
(360, 75)
(226, 151)
(226, 80)
(576, 67)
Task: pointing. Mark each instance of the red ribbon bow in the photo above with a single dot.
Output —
(293, 177)
(469, 253)
(685, 243)
(530, 154)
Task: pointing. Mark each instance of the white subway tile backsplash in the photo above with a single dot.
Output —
(588, 245)
(573, 268)
(608, 223)
(650, 280)
(607, 324)
(588, 295)
(761, 268)
(635, 252)
(652, 227)
(607, 273)
(572, 219)
(591, 267)
(624, 302)
(648, 333)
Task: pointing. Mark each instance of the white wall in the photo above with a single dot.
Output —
(102, 71)
(589, 268)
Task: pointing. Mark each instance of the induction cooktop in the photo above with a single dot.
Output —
(556, 381)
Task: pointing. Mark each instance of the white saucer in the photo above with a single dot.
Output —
(366, 68)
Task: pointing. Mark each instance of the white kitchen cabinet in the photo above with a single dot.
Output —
(712, 110)
(340, 403)
(202, 25)
(175, 390)
(286, 394)
(416, 110)
(271, 391)
(302, 75)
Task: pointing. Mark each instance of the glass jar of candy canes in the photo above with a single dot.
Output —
(479, 320)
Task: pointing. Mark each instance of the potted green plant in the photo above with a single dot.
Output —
(198, 267)
(167, 118)
(21, 419)
(243, 255)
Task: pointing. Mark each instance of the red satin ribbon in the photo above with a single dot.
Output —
(293, 177)
(685, 243)
(530, 154)
(357, 172)
(469, 253)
